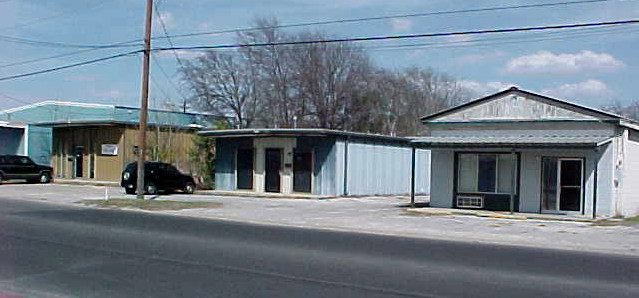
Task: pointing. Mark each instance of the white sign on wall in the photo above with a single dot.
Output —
(109, 149)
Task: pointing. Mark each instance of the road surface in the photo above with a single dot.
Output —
(55, 250)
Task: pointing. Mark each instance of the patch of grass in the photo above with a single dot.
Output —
(630, 221)
(152, 205)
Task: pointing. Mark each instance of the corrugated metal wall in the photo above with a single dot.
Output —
(382, 168)
(225, 150)
(40, 141)
(629, 185)
(324, 163)
(11, 140)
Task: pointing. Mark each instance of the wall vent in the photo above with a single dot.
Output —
(475, 202)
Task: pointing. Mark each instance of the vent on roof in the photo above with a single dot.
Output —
(476, 202)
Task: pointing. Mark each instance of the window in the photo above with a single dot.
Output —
(484, 173)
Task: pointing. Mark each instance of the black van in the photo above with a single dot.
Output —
(22, 167)
(158, 176)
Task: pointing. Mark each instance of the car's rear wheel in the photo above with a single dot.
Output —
(129, 191)
(189, 188)
(151, 189)
(44, 178)
(1, 178)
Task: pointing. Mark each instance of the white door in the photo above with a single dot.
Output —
(562, 185)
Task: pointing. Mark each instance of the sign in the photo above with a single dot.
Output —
(109, 149)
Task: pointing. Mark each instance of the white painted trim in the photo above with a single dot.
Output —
(25, 138)
(58, 103)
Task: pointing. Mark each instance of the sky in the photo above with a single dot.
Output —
(593, 67)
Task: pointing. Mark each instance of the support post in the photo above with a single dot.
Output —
(144, 101)
(513, 182)
(345, 174)
(412, 177)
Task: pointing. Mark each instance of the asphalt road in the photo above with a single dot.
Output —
(55, 250)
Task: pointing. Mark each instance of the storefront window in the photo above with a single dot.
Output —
(484, 173)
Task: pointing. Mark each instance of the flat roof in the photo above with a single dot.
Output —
(518, 141)
(295, 132)
(85, 123)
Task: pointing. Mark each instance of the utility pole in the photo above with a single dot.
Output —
(144, 101)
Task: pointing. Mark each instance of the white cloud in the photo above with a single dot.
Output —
(181, 53)
(475, 58)
(166, 17)
(550, 63)
(581, 91)
(401, 24)
(479, 89)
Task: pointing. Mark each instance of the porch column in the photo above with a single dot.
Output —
(513, 182)
(412, 178)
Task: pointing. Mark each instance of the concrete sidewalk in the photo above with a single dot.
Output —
(378, 215)
(432, 211)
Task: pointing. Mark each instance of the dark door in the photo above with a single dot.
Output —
(302, 171)
(244, 169)
(273, 166)
(570, 181)
(78, 160)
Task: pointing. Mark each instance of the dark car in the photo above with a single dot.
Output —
(158, 176)
(22, 167)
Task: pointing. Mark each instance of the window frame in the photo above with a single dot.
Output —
(458, 179)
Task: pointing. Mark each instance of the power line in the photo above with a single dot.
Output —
(368, 19)
(135, 42)
(358, 39)
(69, 66)
(175, 54)
(53, 16)
(29, 61)
(506, 40)
(39, 43)
(405, 36)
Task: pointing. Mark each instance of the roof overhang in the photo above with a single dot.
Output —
(106, 123)
(513, 141)
(296, 132)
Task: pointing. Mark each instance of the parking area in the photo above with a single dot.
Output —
(381, 215)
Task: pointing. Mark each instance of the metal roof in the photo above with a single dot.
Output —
(583, 109)
(514, 141)
(294, 132)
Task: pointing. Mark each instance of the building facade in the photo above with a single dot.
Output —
(520, 151)
(316, 161)
(95, 141)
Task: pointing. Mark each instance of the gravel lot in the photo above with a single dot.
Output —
(380, 215)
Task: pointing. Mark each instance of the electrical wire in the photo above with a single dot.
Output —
(398, 16)
(69, 66)
(341, 40)
(405, 36)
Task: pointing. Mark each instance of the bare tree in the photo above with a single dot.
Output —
(270, 69)
(327, 85)
(328, 77)
(221, 83)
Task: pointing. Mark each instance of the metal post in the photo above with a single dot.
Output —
(144, 101)
(346, 166)
(412, 178)
(513, 182)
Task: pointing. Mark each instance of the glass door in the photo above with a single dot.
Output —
(562, 185)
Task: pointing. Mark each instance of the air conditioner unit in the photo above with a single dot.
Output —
(476, 202)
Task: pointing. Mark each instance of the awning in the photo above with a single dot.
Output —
(514, 141)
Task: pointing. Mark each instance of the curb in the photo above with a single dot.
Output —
(493, 214)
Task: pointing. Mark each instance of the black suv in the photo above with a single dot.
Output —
(158, 176)
(22, 167)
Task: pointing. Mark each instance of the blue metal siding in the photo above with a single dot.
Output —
(384, 168)
(12, 139)
(324, 167)
(225, 150)
(69, 113)
(40, 140)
